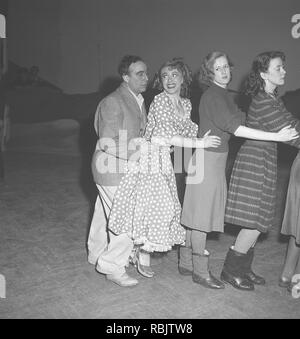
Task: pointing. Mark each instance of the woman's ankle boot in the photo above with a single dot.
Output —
(234, 271)
(250, 275)
(185, 266)
(201, 273)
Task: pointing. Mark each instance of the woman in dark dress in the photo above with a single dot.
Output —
(291, 227)
(205, 195)
(251, 200)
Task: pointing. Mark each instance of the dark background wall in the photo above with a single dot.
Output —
(4, 7)
(78, 43)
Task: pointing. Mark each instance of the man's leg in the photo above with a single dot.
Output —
(115, 257)
(98, 237)
(111, 252)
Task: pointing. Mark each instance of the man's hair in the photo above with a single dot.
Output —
(125, 63)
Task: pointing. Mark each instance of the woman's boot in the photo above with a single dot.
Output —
(185, 266)
(250, 275)
(234, 271)
(201, 273)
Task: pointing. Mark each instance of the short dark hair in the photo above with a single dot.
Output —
(175, 63)
(125, 63)
(261, 63)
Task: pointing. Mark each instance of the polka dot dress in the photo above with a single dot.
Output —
(146, 204)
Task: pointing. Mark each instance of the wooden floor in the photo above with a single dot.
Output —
(45, 209)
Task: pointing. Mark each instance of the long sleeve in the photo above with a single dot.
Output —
(150, 123)
(219, 114)
(224, 113)
(108, 118)
(190, 129)
(109, 127)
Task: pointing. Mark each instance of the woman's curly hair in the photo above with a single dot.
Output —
(261, 63)
(206, 72)
(175, 63)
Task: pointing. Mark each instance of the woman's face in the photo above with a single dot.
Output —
(172, 80)
(222, 73)
(275, 75)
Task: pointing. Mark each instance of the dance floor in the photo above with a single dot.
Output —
(46, 203)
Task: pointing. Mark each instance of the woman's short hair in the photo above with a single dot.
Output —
(261, 63)
(125, 63)
(206, 72)
(175, 63)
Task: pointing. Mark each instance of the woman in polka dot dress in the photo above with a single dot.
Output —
(146, 204)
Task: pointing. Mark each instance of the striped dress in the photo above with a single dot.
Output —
(251, 199)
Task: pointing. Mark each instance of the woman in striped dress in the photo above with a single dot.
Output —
(205, 196)
(251, 199)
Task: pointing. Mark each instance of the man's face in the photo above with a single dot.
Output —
(137, 78)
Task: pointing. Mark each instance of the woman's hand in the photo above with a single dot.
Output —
(211, 140)
(287, 134)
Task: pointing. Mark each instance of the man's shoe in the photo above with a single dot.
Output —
(92, 261)
(123, 280)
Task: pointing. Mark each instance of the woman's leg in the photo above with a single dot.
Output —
(201, 272)
(245, 240)
(188, 238)
(297, 270)
(198, 241)
(237, 266)
(142, 262)
(291, 264)
(185, 265)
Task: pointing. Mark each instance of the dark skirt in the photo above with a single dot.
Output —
(291, 220)
(204, 201)
(251, 199)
